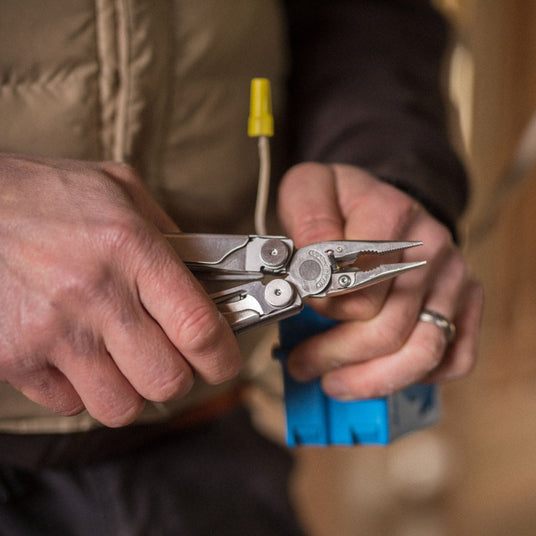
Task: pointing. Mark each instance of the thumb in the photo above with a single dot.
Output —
(308, 204)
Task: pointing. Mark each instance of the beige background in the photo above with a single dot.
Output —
(475, 474)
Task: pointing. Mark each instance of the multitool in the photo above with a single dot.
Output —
(267, 279)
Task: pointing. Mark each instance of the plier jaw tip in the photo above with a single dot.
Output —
(352, 280)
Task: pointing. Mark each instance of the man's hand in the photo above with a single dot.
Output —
(380, 345)
(97, 311)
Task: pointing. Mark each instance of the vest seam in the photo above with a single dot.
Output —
(106, 52)
(124, 25)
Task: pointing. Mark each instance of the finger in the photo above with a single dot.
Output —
(422, 357)
(193, 324)
(308, 205)
(415, 357)
(106, 394)
(385, 375)
(49, 388)
(144, 354)
(462, 353)
(81, 356)
(445, 300)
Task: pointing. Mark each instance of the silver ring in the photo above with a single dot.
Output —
(443, 323)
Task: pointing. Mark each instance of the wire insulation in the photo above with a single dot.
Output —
(263, 188)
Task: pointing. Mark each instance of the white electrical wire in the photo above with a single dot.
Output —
(263, 188)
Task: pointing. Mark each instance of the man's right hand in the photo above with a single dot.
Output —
(97, 311)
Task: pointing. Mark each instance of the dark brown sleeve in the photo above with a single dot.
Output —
(365, 90)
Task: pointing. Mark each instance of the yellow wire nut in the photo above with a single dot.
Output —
(261, 121)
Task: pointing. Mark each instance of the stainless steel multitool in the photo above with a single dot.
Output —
(267, 278)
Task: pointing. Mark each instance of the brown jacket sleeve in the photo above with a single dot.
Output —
(365, 90)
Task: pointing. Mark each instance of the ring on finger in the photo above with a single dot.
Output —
(442, 322)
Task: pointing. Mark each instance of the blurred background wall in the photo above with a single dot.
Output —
(475, 473)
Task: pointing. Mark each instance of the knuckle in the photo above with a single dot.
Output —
(77, 283)
(125, 232)
(206, 346)
(44, 387)
(101, 275)
(120, 414)
(67, 407)
(171, 388)
(198, 331)
(223, 372)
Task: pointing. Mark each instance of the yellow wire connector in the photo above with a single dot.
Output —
(261, 121)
